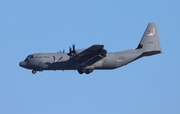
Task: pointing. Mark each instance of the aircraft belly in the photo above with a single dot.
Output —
(109, 62)
(132, 57)
(98, 64)
(61, 65)
(127, 58)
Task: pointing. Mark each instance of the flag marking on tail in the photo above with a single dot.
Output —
(152, 33)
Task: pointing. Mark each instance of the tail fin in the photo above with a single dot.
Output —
(150, 43)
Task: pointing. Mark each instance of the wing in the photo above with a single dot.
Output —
(89, 56)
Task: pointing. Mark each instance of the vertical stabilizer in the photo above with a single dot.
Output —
(150, 40)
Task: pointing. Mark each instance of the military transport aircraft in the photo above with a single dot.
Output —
(95, 57)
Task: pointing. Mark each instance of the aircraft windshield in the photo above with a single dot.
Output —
(31, 56)
(28, 57)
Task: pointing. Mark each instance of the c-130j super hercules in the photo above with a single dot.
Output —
(95, 57)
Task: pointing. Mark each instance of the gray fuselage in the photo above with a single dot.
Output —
(61, 61)
(94, 57)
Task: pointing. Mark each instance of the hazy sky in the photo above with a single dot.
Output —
(150, 85)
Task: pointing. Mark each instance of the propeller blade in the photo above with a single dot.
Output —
(73, 48)
(70, 49)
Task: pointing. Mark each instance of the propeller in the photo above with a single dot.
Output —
(72, 50)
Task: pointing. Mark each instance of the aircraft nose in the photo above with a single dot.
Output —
(22, 64)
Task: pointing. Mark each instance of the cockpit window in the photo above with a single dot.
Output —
(27, 59)
(31, 56)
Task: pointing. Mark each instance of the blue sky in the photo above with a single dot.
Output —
(149, 85)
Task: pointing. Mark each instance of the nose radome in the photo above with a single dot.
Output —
(22, 64)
